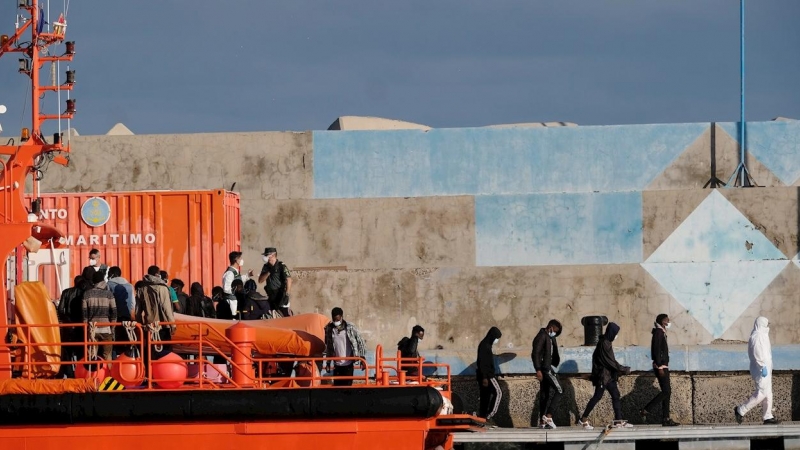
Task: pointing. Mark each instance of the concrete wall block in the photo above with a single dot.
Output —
(716, 395)
(389, 233)
(263, 165)
(457, 306)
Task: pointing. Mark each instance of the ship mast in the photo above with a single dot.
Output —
(19, 160)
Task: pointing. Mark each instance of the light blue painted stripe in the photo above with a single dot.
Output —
(485, 161)
(578, 360)
(559, 229)
(775, 144)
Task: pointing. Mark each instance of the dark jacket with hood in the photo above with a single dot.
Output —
(545, 352)
(198, 304)
(659, 349)
(485, 369)
(605, 367)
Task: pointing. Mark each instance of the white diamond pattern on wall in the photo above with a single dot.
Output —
(716, 263)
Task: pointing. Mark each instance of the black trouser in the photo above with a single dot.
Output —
(490, 397)
(612, 389)
(275, 299)
(549, 394)
(343, 371)
(68, 352)
(663, 396)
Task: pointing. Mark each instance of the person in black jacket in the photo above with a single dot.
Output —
(659, 351)
(605, 372)
(70, 310)
(408, 349)
(487, 378)
(545, 357)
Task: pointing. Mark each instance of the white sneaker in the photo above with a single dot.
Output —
(622, 424)
(548, 423)
(586, 425)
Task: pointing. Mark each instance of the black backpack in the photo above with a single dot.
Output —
(403, 344)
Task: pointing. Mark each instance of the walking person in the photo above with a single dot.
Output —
(659, 351)
(605, 373)
(490, 394)
(408, 349)
(342, 340)
(545, 356)
(759, 350)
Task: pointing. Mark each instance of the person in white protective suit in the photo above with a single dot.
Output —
(760, 352)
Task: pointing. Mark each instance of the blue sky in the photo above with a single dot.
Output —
(249, 65)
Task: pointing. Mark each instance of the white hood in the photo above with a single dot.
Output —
(759, 348)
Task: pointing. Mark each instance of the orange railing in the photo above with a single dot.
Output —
(247, 371)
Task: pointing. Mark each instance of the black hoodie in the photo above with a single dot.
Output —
(605, 367)
(485, 369)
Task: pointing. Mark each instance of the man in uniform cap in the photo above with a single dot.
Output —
(278, 280)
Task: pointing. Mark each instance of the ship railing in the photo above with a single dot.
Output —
(247, 371)
(31, 360)
(394, 371)
(6, 190)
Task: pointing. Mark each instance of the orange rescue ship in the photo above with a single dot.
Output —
(241, 400)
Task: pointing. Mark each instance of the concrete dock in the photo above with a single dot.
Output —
(694, 437)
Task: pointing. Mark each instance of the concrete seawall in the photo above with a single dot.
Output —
(701, 398)
(463, 229)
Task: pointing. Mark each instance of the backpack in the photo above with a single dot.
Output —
(147, 297)
(401, 346)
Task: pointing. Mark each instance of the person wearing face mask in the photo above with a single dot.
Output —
(545, 357)
(234, 272)
(759, 350)
(278, 280)
(659, 351)
(342, 340)
(605, 373)
(490, 394)
(94, 264)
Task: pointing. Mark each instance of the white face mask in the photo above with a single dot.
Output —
(496, 341)
(666, 327)
(615, 338)
(241, 262)
(92, 262)
(265, 259)
(552, 334)
(337, 324)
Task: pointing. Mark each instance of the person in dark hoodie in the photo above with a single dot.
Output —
(490, 394)
(198, 304)
(545, 357)
(659, 351)
(605, 372)
(408, 349)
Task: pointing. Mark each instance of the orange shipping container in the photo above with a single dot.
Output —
(187, 233)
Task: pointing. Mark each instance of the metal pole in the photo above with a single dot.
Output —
(742, 156)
